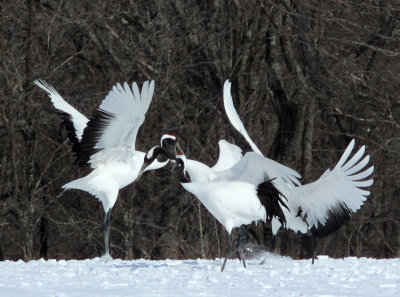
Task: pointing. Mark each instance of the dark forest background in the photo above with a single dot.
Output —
(307, 77)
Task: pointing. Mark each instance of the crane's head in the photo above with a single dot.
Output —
(158, 156)
(170, 143)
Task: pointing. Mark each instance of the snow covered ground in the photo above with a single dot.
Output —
(278, 276)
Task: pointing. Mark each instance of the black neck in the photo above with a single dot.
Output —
(161, 155)
(181, 171)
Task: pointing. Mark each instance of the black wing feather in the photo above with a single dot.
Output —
(337, 216)
(92, 134)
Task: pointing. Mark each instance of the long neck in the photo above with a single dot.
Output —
(198, 171)
(181, 172)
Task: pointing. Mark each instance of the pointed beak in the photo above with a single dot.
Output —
(179, 148)
(173, 166)
(144, 166)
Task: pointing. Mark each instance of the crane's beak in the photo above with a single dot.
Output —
(144, 166)
(179, 147)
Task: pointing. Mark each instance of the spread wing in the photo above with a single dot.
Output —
(116, 122)
(73, 119)
(229, 155)
(234, 117)
(329, 201)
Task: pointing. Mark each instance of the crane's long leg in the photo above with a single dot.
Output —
(241, 252)
(241, 240)
(228, 252)
(107, 231)
(314, 254)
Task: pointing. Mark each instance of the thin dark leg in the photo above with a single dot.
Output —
(245, 240)
(242, 239)
(237, 246)
(241, 252)
(228, 252)
(107, 231)
(273, 243)
(238, 254)
(314, 254)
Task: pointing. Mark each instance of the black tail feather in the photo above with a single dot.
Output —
(271, 198)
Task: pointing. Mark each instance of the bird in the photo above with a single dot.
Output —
(322, 206)
(234, 203)
(75, 123)
(107, 143)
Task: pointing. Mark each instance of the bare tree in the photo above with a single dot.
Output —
(307, 76)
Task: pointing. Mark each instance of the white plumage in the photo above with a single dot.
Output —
(229, 155)
(234, 117)
(234, 203)
(107, 142)
(343, 186)
(78, 120)
(231, 203)
(127, 107)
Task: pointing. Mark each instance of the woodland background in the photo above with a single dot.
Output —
(307, 77)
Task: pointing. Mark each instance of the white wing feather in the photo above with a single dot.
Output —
(229, 155)
(127, 108)
(234, 117)
(254, 168)
(78, 120)
(341, 185)
(336, 193)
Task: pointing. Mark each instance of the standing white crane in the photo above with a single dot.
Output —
(235, 203)
(322, 206)
(107, 143)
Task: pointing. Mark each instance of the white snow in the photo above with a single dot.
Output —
(278, 276)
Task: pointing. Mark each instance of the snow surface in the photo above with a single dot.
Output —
(278, 276)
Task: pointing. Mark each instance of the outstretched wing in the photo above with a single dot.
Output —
(330, 201)
(75, 122)
(234, 117)
(116, 122)
(229, 155)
